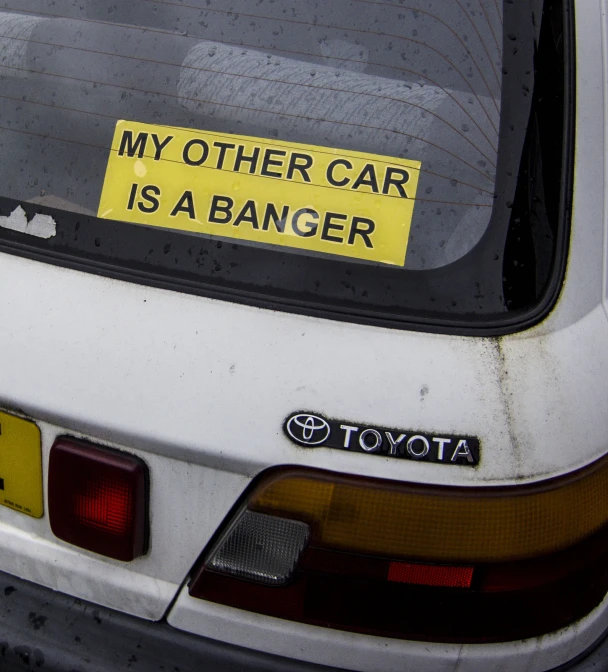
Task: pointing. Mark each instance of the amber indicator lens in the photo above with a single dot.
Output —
(98, 499)
(485, 564)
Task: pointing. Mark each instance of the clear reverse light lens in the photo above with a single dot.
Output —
(484, 564)
(262, 548)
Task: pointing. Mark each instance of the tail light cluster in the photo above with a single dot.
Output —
(98, 499)
(428, 563)
(392, 559)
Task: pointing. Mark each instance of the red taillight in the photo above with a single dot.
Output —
(430, 575)
(98, 499)
(106, 505)
(401, 560)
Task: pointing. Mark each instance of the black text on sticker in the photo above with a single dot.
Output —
(282, 218)
(268, 162)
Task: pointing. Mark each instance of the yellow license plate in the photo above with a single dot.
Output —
(20, 465)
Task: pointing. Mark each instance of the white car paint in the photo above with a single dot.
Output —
(199, 389)
(186, 507)
(553, 398)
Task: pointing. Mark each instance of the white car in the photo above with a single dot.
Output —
(303, 330)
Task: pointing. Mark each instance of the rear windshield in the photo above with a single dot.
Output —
(379, 160)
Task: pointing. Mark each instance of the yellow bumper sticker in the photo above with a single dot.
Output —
(273, 192)
(20, 465)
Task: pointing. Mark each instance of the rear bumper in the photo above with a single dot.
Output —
(46, 630)
(41, 629)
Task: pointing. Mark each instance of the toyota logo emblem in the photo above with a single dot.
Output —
(307, 429)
